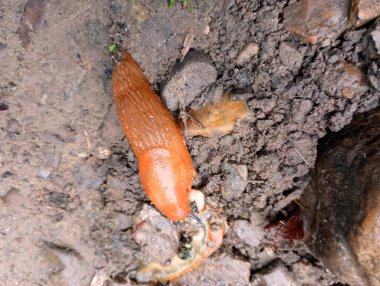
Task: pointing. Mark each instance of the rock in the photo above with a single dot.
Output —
(215, 119)
(290, 56)
(59, 199)
(66, 266)
(44, 173)
(155, 234)
(279, 276)
(365, 10)
(343, 196)
(191, 76)
(248, 232)
(373, 75)
(247, 53)
(300, 109)
(263, 258)
(374, 42)
(235, 180)
(344, 79)
(3, 50)
(223, 270)
(90, 176)
(376, 39)
(13, 127)
(122, 221)
(366, 244)
(101, 152)
(3, 106)
(206, 30)
(243, 78)
(230, 271)
(317, 20)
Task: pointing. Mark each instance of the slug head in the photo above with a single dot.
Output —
(166, 179)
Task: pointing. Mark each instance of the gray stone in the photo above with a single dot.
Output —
(279, 276)
(248, 232)
(155, 234)
(373, 76)
(231, 271)
(300, 109)
(247, 53)
(66, 265)
(223, 270)
(122, 221)
(376, 39)
(44, 173)
(235, 180)
(263, 258)
(290, 56)
(90, 177)
(189, 79)
(59, 199)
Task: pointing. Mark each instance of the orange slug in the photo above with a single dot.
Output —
(165, 165)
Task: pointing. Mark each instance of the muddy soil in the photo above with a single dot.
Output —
(69, 186)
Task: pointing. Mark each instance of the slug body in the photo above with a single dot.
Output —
(165, 166)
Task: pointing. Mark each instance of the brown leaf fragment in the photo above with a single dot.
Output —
(216, 119)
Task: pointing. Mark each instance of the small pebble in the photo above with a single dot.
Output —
(59, 199)
(248, 232)
(235, 180)
(194, 74)
(247, 53)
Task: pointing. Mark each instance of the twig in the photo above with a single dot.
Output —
(302, 157)
(187, 43)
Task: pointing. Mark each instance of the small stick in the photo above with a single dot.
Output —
(187, 43)
(302, 157)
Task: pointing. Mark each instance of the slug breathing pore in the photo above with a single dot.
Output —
(165, 166)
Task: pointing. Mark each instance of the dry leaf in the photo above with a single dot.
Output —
(217, 119)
